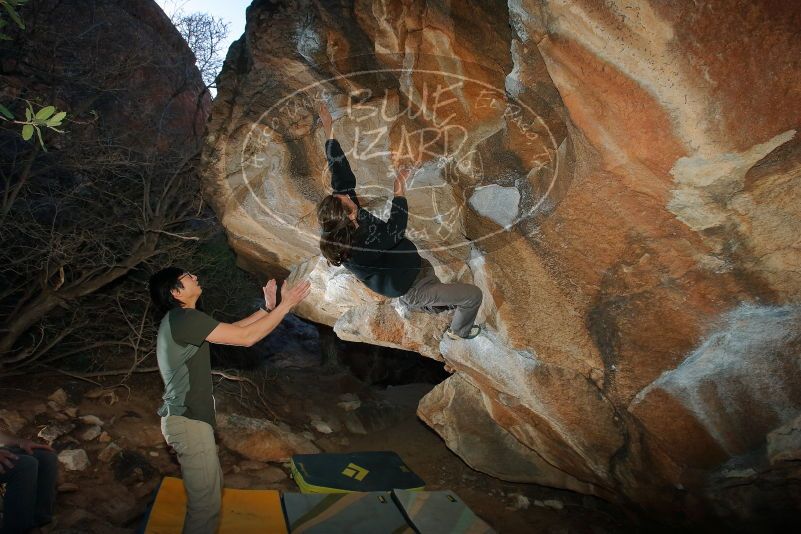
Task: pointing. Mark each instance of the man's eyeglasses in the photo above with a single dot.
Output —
(180, 278)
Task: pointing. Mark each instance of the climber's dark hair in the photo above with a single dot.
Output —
(161, 285)
(337, 230)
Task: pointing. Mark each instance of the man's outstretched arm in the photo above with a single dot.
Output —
(250, 334)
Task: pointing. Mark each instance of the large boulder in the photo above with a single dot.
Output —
(621, 180)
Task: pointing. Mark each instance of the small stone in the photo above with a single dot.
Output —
(350, 406)
(68, 487)
(784, 443)
(739, 473)
(59, 396)
(321, 427)
(61, 417)
(53, 406)
(354, 424)
(597, 375)
(271, 475)
(109, 453)
(308, 435)
(519, 502)
(105, 437)
(71, 412)
(284, 427)
(74, 459)
(90, 433)
(236, 469)
(91, 420)
(154, 454)
(53, 431)
(553, 503)
(13, 420)
(39, 408)
(251, 465)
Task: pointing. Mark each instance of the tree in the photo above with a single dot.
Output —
(205, 36)
(81, 224)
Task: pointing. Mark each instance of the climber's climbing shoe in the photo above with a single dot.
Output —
(474, 331)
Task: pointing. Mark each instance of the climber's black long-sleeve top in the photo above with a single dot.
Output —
(381, 256)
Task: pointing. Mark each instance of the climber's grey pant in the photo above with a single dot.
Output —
(200, 468)
(427, 293)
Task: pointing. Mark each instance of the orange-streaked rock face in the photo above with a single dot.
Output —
(621, 180)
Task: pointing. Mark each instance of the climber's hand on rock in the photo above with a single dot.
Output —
(325, 118)
(404, 173)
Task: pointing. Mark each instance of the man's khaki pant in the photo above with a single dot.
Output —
(193, 441)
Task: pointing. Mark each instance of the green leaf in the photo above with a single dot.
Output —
(45, 113)
(39, 135)
(4, 37)
(28, 113)
(5, 111)
(56, 119)
(27, 132)
(13, 14)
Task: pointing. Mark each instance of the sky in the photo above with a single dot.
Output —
(231, 11)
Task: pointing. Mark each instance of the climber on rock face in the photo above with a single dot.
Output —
(378, 253)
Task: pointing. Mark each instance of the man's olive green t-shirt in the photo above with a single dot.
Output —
(185, 364)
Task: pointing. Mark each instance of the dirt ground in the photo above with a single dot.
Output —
(113, 497)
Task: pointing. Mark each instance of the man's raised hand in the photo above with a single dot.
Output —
(269, 295)
(293, 295)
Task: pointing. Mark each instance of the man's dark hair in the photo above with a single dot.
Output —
(161, 285)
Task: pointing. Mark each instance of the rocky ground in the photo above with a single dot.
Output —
(113, 455)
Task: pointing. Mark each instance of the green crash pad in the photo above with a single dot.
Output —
(436, 512)
(343, 513)
(357, 471)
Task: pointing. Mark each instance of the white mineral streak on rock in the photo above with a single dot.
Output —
(639, 43)
(703, 180)
(741, 368)
(501, 204)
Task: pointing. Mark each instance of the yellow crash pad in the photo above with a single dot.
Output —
(243, 511)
